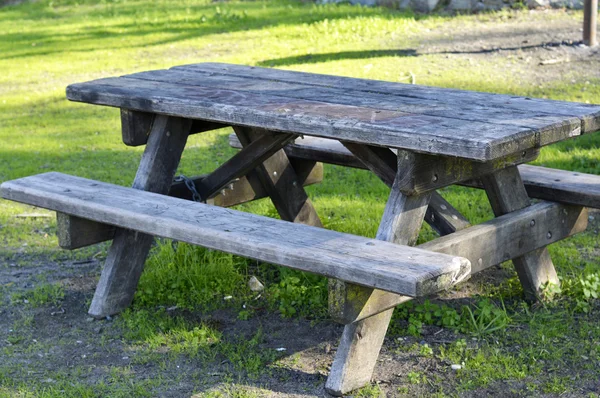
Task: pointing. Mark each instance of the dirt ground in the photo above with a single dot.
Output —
(543, 52)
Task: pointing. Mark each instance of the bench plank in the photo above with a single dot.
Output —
(540, 182)
(399, 269)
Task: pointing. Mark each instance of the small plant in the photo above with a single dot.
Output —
(295, 296)
(414, 377)
(425, 351)
(45, 294)
(485, 318)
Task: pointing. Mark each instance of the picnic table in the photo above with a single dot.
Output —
(416, 139)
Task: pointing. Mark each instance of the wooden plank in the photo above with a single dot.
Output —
(277, 176)
(136, 126)
(563, 186)
(588, 114)
(485, 245)
(313, 148)
(74, 232)
(347, 257)
(251, 156)
(507, 193)
(590, 16)
(361, 341)
(443, 217)
(550, 128)
(127, 255)
(436, 135)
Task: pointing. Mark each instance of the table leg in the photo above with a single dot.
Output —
(507, 193)
(362, 340)
(127, 255)
(280, 181)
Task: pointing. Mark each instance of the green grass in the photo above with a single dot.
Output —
(46, 45)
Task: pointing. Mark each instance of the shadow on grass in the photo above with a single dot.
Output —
(186, 22)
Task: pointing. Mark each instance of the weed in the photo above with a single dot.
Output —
(485, 318)
(44, 294)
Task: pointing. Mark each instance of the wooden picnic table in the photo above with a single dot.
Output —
(417, 139)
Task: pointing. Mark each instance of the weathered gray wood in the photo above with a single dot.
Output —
(588, 114)
(443, 217)
(127, 255)
(136, 126)
(348, 257)
(485, 245)
(423, 173)
(561, 186)
(550, 128)
(384, 164)
(393, 120)
(361, 341)
(590, 16)
(241, 191)
(75, 232)
(313, 148)
(279, 179)
(507, 193)
(540, 182)
(251, 156)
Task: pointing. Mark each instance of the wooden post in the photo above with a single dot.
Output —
(506, 193)
(361, 341)
(590, 15)
(127, 255)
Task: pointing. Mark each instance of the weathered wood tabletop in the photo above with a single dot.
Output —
(472, 125)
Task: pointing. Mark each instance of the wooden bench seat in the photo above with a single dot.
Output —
(395, 268)
(540, 182)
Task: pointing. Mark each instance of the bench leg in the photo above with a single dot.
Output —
(507, 193)
(127, 255)
(362, 340)
(280, 181)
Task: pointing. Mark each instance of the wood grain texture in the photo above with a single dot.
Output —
(348, 257)
(485, 245)
(129, 249)
(361, 341)
(250, 157)
(74, 232)
(507, 193)
(136, 126)
(279, 179)
(369, 112)
(569, 187)
(586, 112)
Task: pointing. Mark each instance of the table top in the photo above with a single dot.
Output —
(450, 122)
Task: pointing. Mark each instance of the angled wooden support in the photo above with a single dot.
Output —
(279, 179)
(136, 126)
(384, 163)
(127, 255)
(361, 341)
(507, 193)
(251, 156)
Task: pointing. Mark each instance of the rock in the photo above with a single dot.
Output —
(255, 285)
(460, 5)
(538, 3)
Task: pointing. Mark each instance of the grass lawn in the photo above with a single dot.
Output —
(504, 346)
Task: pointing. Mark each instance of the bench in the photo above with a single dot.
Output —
(416, 139)
(381, 265)
(563, 186)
